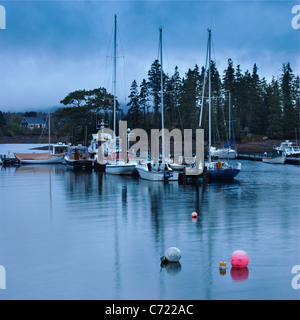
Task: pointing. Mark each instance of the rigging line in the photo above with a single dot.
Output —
(214, 55)
(124, 69)
(203, 86)
(167, 58)
(109, 50)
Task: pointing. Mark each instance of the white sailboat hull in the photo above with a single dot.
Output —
(277, 160)
(55, 160)
(176, 166)
(225, 153)
(157, 176)
(125, 169)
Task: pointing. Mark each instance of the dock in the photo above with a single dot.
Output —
(258, 157)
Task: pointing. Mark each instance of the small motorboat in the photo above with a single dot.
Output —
(288, 149)
(120, 167)
(275, 158)
(78, 157)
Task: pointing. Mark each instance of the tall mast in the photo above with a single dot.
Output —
(115, 72)
(49, 131)
(162, 94)
(229, 119)
(209, 89)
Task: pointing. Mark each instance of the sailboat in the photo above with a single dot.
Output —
(217, 170)
(158, 171)
(54, 156)
(226, 152)
(119, 167)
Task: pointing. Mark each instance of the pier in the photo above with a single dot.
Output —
(259, 156)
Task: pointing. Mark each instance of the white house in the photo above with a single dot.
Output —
(32, 123)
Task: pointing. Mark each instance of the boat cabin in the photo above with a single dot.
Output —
(78, 153)
(60, 148)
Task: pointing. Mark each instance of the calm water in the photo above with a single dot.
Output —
(78, 235)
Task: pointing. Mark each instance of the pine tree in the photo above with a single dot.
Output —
(239, 103)
(144, 101)
(296, 91)
(188, 103)
(229, 79)
(172, 99)
(154, 76)
(272, 101)
(257, 112)
(2, 120)
(135, 114)
(290, 116)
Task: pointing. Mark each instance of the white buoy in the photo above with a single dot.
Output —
(173, 254)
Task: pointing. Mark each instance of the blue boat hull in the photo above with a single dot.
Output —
(222, 174)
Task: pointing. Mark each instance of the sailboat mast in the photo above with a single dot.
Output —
(49, 132)
(162, 94)
(115, 71)
(229, 119)
(209, 89)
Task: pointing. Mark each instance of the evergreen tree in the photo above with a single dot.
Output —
(144, 101)
(257, 112)
(172, 100)
(2, 120)
(239, 102)
(272, 101)
(135, 114)
(290, 116)
(218, 117)
(188, 103)
(229, 79)
(296, 91)
(154, 76)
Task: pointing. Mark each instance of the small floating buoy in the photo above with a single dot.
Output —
(239, 259)
(194, 215)
(173, 254)
(222, 265)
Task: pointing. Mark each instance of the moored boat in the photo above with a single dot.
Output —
(37, 158)
(217, 170)
(157, 172)
(120, 167)
(288, 149)
(275, 158)
(78, 157)
(221, 170)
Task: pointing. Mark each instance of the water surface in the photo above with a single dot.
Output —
(88, 235)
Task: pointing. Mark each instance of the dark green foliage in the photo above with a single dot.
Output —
(135, 113)
(83, 109)
(2, 120)
(290, 114)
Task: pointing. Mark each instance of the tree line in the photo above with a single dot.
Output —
(260, 108)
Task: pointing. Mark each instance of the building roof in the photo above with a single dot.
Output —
(34, 120)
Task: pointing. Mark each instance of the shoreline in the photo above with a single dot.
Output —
(242, 147)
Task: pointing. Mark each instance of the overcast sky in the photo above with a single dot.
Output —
(50, 48)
